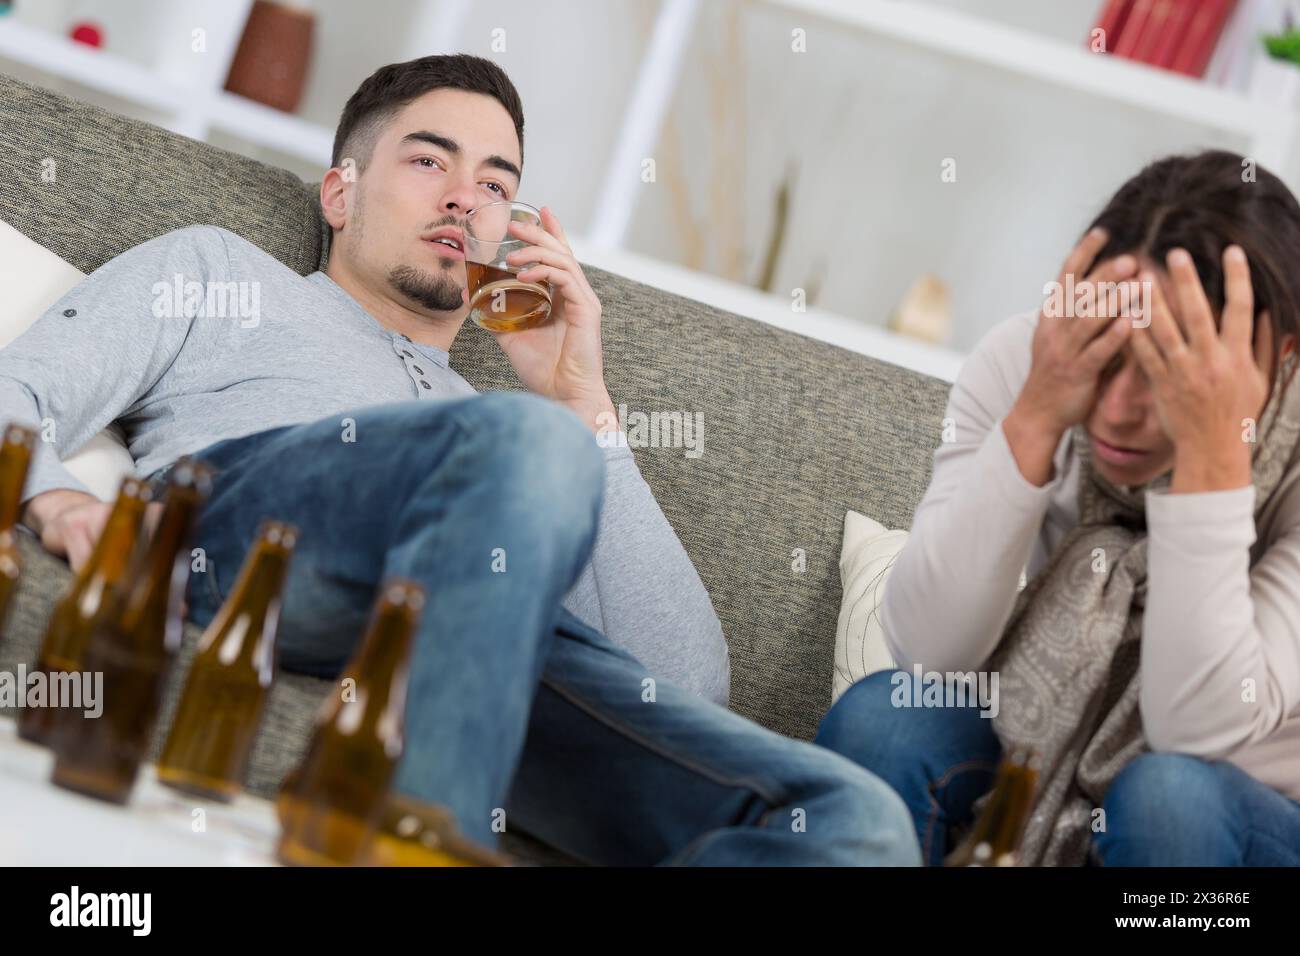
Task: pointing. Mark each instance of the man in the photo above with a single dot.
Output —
(503, 507)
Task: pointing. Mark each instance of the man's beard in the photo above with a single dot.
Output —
(438, 292)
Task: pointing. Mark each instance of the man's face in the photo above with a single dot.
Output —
(443, 155)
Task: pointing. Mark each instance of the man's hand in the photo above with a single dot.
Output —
(1069, 354)
(561, 359)
(1207, 382)
(68, 522)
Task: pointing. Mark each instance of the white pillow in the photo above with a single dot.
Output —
(866, 558)
(31, 280)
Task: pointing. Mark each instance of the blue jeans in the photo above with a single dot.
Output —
(1162, 810)
(514, 705)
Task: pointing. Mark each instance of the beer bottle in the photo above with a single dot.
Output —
(132, 650)
(414, 833)
(332, 802)
(216, 721)
(15, 458)
(83, 607)
(994, 839)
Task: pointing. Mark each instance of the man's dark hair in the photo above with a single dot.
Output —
(391, 87)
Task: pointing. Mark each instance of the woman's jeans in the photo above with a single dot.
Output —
(1163, 809)
(517, 713)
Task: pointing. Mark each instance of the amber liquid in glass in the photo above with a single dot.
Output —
(499, 301)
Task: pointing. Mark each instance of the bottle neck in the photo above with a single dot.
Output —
(989, 821)
(14, 461)
(256, 594)
(151, 576)
(113, 550)
(380, 667)
(1017, 802)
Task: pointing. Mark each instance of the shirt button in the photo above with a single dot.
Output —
(418, 370)
(407, 354)
(69, 312)
(425, 384)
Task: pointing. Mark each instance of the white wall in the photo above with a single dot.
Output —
(868, 124)
(573, 62)
(862, 124)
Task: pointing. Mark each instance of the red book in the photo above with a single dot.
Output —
(1202, 36)
(1172, 38)
(1153, 31)
(1111, 22)
(1134, 27)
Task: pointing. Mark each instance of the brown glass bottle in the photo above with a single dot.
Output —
(133, 648)
(84, 606)
(15, 457)
(335, 798)
(216, 720)
(413, 833)
(994, 839)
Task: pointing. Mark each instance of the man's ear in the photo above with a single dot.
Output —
(335, 197)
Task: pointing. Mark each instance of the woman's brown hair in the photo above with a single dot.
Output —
(1204, 203)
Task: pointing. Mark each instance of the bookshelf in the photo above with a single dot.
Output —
(651, 43)
(1269, 130)
(190, 109)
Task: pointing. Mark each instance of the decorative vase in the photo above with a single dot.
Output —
(1275, 81)
(270, 64)
(925, 311)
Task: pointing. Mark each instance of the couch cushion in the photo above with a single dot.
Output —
(31, 280)
(796, 431)
(866, 560)
(88, 184)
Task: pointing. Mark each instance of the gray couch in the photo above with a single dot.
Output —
(796, 431)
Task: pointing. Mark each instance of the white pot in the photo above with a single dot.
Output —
(1275, 81)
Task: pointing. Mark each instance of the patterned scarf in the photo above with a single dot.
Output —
(1068, 658)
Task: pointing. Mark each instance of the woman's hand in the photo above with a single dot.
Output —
(1210, 385)
(560, 359)
(1069, 352)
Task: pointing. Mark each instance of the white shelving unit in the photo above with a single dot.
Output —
(190, 109)
(189, 98)
(1270, 129)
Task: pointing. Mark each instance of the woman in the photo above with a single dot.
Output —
(1141, 465)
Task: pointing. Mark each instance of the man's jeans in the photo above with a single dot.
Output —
(1163, 809)
(514, 706)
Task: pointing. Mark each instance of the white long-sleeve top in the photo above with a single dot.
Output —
(1220, 652)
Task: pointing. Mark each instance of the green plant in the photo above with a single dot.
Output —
(1284, 46)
